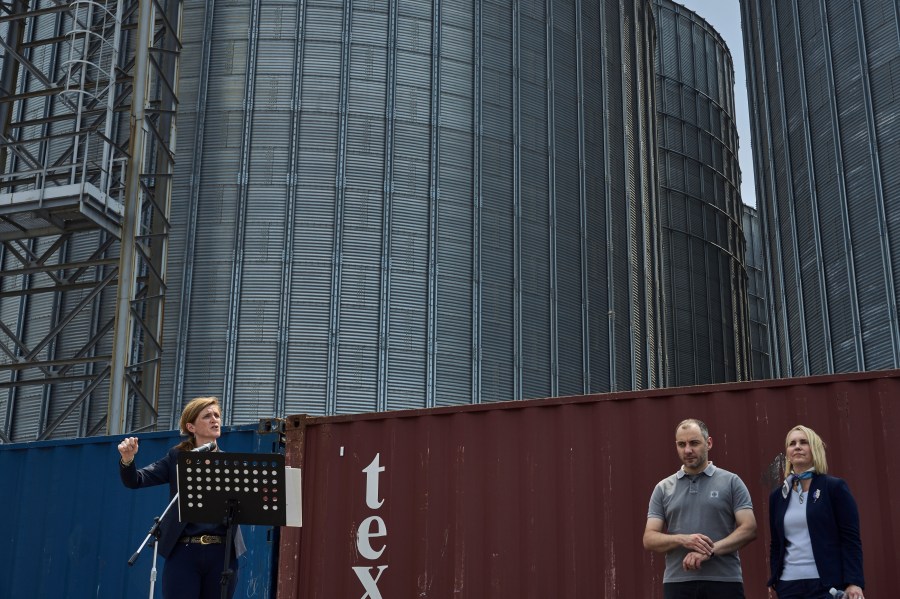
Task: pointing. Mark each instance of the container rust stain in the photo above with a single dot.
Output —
(547, 499)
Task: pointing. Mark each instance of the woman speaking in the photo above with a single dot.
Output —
(194, 552)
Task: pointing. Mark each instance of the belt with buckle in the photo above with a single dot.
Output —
(203, 539)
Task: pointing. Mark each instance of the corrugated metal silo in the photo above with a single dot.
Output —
(760, 358)
(404, 204)
(707, 337)
(824, 96)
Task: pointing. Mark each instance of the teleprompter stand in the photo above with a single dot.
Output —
(236, 488)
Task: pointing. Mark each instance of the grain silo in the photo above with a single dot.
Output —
(403, 204)
(760, 357)
(374, 205)
(824, 96)
(705, 289)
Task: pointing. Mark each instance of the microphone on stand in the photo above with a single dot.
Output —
(211, 446)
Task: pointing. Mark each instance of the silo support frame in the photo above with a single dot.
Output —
(76, 229)
(137, 335)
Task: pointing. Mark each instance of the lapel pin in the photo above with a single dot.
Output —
(818, 492)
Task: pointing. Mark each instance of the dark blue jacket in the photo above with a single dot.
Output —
(833, 522)
(158, 473)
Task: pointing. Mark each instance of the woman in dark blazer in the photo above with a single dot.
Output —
(814, 525)
(194, 552)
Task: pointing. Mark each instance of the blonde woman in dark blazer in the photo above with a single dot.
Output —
(814, 523)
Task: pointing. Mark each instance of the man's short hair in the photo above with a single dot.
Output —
(704, 430)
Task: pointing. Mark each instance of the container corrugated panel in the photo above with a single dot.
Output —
(548, 498)
(705, 287)
(72, 526)
(825, 143)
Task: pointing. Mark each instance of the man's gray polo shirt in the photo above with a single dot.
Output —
(703, 503)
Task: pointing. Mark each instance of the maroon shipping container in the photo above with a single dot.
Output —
(547, 499)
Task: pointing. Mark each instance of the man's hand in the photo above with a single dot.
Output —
(657, 540)
(694, 559)
(697, 542)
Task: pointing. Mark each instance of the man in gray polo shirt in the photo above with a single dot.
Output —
(699, 517)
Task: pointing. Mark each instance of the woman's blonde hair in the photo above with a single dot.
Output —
(816, 447)
(191, 412)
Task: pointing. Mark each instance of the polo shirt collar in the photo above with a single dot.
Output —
(708, 471)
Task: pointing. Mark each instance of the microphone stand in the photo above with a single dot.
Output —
(153, 534)
(227, 572)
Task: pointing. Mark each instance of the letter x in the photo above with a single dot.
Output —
(369, 584)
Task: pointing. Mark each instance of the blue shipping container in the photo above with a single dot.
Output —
(70, 526)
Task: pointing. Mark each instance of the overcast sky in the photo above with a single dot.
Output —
(725, 17)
